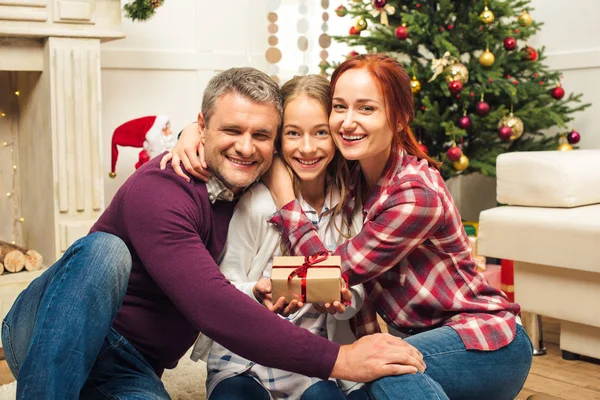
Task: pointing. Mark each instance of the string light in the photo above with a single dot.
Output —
(13, 194)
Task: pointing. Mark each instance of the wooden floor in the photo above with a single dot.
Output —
(551, 377)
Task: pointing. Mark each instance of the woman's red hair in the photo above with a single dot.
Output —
(394, 84)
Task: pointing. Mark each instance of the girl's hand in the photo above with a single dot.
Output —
(336, 307)
(279, 182)
(189, 150)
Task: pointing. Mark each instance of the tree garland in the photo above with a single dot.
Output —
(142, 10)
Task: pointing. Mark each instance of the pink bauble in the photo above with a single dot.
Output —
(482, 108)
(379, 3)
(573, 137)
(505, 132)
(464, 122)
(558, 93)
(454, 153)
(455, 87)
(401, 32)
(510, 43)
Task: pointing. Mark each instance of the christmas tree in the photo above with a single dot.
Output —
(479, 89)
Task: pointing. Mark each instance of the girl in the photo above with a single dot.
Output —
(319, 174)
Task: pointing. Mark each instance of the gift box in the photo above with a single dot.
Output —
(315, 279)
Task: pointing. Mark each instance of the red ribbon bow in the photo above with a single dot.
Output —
(301, 272)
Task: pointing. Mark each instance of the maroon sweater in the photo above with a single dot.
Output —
(174, 235)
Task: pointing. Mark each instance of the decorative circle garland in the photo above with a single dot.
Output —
(273, 54)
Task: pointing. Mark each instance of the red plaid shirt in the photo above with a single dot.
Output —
(413, 257)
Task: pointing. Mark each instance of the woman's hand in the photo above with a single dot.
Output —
(189, 150)
(262, 292)
(336, 307)
(279, 182)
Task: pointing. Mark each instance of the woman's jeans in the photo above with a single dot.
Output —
(456, 373)
(57, 337)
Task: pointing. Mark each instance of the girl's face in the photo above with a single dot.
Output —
(358, 117)
(306, 143)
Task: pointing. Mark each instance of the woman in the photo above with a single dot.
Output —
(412, 253)
(319, 174)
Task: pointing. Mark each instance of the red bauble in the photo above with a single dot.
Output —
(464, 122)
(423, 147)
(455, 87)
(558, 92)
(379, 3)
(482, 108)
(354, 32)
(573, 137)
(510, 43)
(352, 54)
(530, 53)
(505, 132)
(454, 153)
(401, 32)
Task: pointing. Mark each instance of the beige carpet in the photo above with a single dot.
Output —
(186, 382)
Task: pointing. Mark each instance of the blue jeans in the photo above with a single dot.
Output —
(456, 373)
(57, 337)
(244, 387)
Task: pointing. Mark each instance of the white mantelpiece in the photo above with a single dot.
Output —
(53, 49)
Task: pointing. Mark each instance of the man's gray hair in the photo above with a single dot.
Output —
(247, 82)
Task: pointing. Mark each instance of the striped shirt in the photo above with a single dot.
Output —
(252, 243)
(413, 257)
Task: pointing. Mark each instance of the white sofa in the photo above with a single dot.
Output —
(550, 227)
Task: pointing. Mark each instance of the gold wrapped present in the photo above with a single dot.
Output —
(313, 279)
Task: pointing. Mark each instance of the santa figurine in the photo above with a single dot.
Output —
(152, 133)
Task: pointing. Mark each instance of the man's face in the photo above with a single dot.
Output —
(239, 140)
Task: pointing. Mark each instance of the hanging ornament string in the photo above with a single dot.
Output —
(273, 54)
(302, 27)
(324, 39)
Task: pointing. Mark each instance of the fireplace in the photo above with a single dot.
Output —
(50, 88)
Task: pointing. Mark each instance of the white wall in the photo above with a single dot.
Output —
(163, 64)
(572, 47)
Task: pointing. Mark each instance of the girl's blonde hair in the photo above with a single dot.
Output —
(317, 88)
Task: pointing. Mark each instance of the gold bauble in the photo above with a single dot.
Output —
(112, 174)
(462, 163)
(487, 58)
(457, 72)
(514, 123)
(525, 19)
(564, 144)
(487, 16)
(360, 24)
(415, 85)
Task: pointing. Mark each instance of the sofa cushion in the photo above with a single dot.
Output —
(549, 178)
(561, 237)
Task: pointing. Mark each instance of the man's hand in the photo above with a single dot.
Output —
(375, 356)
(336, 307)
(189, 150)
(279, 182)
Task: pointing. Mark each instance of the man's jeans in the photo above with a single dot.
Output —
(57, 337)
(456, 373)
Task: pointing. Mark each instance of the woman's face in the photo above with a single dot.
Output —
(306, 143)
(358, 117)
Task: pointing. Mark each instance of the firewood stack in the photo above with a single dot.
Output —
(15, 258)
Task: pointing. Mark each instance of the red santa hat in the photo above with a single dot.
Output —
(133, 134)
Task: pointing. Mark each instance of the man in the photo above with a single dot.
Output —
(128, 300)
